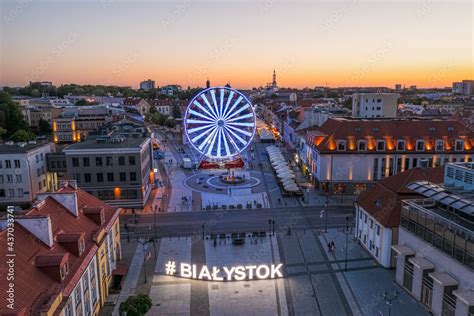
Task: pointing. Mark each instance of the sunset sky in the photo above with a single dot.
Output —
(309, 43)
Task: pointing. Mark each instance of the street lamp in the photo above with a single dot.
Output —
(155, 210)
(388, 300)
(143, 241)
(326, 206)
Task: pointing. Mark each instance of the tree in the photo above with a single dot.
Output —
(170, 123)
(44, 127)
(176, 111)
(22, 136)
(81, 102)
(11, 118)
(136, 305)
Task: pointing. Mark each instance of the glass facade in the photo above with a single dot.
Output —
(443, 233)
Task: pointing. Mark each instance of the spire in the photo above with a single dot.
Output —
(274, 81)
(208, 83)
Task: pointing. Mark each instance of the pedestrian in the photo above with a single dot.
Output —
(333, 246)
(329, 247)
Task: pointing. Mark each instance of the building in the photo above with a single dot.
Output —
(66, 248)
(113, 164)
(23, 172)
(398, 87)
(165, 107)
(170, 89)
(77, 122)
(466, 87)
(147, 84)
(348, 154)
(374, 105)
(435, 250)
(378, 211)
(137, 104)
(451, 108)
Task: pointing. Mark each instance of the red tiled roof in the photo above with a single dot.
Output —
(30, 250)
(410, 130)
(132, 101)
(383, 201)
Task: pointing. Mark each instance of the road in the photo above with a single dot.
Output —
(191, 223)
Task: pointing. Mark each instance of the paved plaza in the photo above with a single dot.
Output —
(314, 279)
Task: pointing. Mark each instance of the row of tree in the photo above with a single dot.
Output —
(12, 124)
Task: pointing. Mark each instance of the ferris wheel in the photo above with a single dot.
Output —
(220, 122)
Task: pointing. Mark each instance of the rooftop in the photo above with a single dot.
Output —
(22, 147)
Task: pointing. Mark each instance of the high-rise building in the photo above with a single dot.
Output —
(398, 87)
(147, 84)
(374, 105)
(466, 87)
(23, 171)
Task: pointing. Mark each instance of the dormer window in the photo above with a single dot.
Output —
(362, 145)
(459, 146)
(64, 270)
(341, 145)
(420, 145)
(439, 145)
(380, 145)
(401, 145)
(82, 246)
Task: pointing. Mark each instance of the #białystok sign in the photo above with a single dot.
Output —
(237, 273)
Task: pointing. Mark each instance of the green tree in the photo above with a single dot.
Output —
(81, 102)
(136, 305)
(177, 112)
(170, 123)
(44, 127)
(22, 136)
(11, 118)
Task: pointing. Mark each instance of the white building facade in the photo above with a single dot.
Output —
(374, 105)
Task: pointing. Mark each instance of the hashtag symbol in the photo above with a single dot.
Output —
(170, 267)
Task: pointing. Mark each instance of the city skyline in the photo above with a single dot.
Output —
(180, 43)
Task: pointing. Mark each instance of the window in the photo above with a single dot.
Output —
(8, 164)
(131, 160)
(371, 223)
(439, 145)
(9, 178)
(42, 157)
(98, 161)
(133, 176)
(401, 145)
(377, 229)
(64, 270)
(420, 145)
(87, 177)
(17, 163)
(415, 162)
(11, 192)
(371, 245)
(75, 162)
(100, 177)
(18, 178)
(365, 218)
(121, 161)
(108, 161)
(123, 177)
(341, 145)
(77, 177)
(1, 178)
(459, 145)
(2, 193)
(381, 145)
(377, 252)
(360, 215)
(37, 158)
(110, 177)
(86, 161)
(362, 145)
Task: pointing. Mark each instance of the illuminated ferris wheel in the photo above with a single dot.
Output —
(220, 122)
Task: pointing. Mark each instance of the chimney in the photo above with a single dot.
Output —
(66, 199)
(40, 226)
